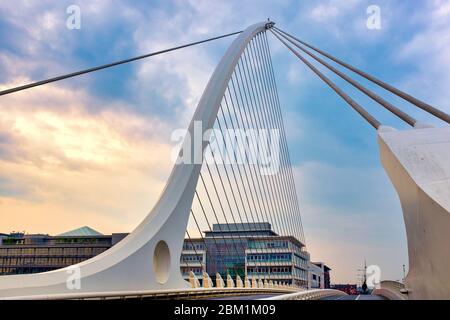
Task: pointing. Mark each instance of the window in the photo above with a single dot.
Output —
(55, 251)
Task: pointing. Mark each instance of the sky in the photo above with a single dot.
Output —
(95, 150)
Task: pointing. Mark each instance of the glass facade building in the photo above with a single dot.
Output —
(252, 250)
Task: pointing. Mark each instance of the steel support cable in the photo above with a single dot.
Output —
(285, 145)
(245, 171)
(252, 173)
(418, 103)
(199, 230)
(227, 200)
(252, 113)
(286, 159)
(283, 205)
(367, 116)
(277, 117)
(235, 181)
(189, 268)
(255, 221)
(255, 119)
(269, 96)
(216, 216)
(263, 106)
(258, 178)
(285, 150)
(402, 115)
(234, 174)
(196, 253)
(256, 114)
(288, 209)
(206, 218)
(224, 189)
(255, 207)
(220, 204)
(109, 65)
(227, 249)
(218, 223)
(280, 117)
(246, 111)
(243, 184)
(268, 118)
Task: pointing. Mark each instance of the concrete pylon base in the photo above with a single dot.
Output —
(418, 164)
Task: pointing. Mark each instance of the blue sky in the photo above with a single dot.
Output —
(110, 131)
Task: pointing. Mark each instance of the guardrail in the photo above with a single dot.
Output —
(309, 295)
(391, 290)
(193, 293)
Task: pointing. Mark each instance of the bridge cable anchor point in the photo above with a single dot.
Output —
(269, 24)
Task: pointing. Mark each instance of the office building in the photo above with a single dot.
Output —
(247, 249)
(319, 275)
(32, 253)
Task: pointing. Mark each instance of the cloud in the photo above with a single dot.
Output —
(324, 12)
(88, 168)
(428, 53)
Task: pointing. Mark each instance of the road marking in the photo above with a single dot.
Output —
(340, 298)
(357, 298)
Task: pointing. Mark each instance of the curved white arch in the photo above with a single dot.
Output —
(130, 264)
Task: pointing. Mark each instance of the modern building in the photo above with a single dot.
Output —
(319, 275)
(32, 253)
(193, 258)
(247, 249)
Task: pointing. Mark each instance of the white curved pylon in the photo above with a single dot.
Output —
(148, 258)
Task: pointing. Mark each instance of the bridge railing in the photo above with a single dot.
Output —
(193, 293)
(315, 294)
(391, 290)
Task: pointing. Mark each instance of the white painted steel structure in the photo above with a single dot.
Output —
(148, 258)
(391, 290)
(418, 164)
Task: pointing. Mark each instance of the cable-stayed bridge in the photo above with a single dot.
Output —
(234, 172)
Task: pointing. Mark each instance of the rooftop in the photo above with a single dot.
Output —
(80, 232)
